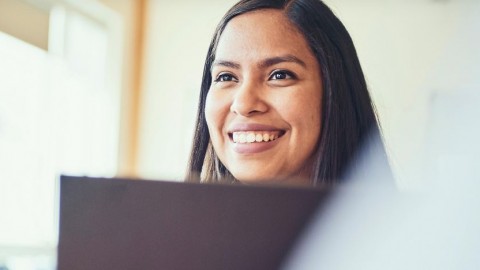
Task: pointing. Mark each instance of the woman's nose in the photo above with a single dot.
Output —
(248, 100)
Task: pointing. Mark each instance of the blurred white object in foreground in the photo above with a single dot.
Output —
(368, 227)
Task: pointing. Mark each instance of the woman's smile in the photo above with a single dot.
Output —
(253, 138)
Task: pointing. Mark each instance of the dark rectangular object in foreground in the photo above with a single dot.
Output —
(138, 224)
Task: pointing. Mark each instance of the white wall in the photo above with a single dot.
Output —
(412, 51)
(408, 49)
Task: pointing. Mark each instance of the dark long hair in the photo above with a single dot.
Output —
(348, 115)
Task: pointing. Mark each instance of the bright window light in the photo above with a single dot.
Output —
(59, 114)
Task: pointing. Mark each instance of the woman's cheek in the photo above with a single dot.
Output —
(209, 112)
(216, 110)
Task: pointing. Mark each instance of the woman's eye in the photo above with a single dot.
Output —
(225, 77)
(281, 75)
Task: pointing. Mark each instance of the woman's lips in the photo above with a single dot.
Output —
(253, 148)
(254, 138)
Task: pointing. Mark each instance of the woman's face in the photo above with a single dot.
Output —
(263, 107)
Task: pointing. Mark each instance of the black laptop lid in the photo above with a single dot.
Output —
(138, 224)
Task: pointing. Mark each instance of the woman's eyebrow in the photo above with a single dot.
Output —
(264, 63)
(281, 59)
(226, 64)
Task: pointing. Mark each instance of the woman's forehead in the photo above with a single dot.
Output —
(262, 34)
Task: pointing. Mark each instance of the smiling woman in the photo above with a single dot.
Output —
(283, 97)
(266, 84)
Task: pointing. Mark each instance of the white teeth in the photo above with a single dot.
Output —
(252, 136)
(242, 138)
